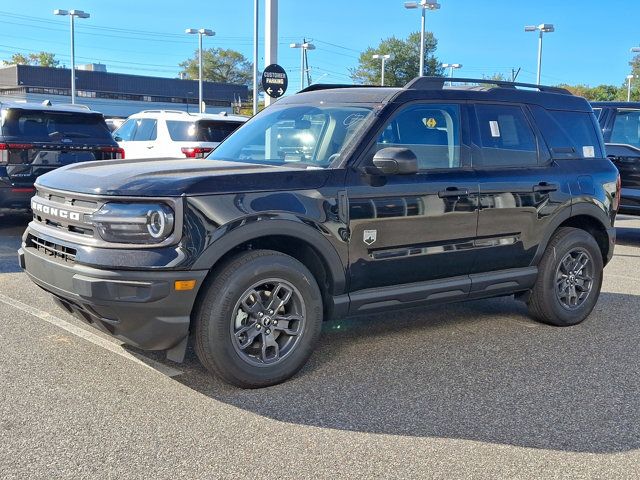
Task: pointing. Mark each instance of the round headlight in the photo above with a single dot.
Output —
(157, 222)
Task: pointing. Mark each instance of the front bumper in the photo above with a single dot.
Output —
(141, 308)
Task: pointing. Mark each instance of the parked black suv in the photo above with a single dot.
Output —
(620, 123)
(37, 138)
(334, 202)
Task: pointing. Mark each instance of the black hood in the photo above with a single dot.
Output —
(174, 177)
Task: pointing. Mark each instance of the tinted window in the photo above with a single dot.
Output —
(569, 134)
(50, 126)
(306, 135)
(626, 127)
(137, 130)
(200, 131)
(597, 112)
(431, 131)
(146, 130)
(506, 136)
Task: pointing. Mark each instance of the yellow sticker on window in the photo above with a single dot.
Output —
(431, 122)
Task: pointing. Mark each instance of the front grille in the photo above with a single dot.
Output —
(64, 212)
(58, 252)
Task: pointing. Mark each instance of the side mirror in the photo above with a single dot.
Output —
(396, 161)
(117, 138)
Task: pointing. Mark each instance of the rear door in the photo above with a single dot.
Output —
(137, 136)
(520, 187)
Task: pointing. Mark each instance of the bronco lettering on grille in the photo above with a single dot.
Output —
(55, 212)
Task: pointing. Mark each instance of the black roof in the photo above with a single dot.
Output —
(434, 88)
(616, 104)
(47, 77)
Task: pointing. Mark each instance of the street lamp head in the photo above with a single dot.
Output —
(379, 56)
(530, 28)
(207, 32)
(629, 77)
(635, 50)
(426, 4)
(546, 27)
(308, 46)
(79, 13)
(191, 31)
(60, 12)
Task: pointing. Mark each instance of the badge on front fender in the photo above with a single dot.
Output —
(369, 236)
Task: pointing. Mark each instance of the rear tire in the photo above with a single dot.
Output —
(569, 279)
(259, 319)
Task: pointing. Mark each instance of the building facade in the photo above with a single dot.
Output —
(115, 94)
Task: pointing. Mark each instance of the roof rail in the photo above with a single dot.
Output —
(164, 111)
(68, 105)
(437, 83)
(328, 86)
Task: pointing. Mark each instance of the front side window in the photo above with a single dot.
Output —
(137, 130)
(626, 127)
(304, 135)
(506, 136)
(431, 132)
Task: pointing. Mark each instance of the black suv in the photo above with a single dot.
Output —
(37, 138)
(620, 122)
(334, 202)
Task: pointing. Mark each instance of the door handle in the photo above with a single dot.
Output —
(545, 187)
(149, 146)
(453, 192)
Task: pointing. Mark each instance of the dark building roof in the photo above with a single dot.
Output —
(31, 76)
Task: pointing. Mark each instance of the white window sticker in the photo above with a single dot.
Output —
(495, 128)
(588, 151)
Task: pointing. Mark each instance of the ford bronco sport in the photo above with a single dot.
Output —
(334, 202)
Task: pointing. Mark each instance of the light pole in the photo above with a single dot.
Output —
(542, 28)
(451, 67)
(256, 32)
(72, 14)
(424, 5)
(384, 58)
(304, 46)
(207, 33)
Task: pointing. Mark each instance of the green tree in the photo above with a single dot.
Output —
(42, 59)
(635, 82)
(220, 65)
(600, 93)
(404, 65)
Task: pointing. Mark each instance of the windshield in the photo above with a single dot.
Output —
(306, 135)
(200, 131)
(50, 126)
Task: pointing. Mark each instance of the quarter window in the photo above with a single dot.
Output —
(506, 136)
(626, 127)
(431, 131)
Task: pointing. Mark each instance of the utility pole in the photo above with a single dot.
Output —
(256, 6)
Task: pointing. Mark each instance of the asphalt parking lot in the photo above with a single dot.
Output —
(474, 390)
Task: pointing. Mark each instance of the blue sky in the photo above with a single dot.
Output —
(591, 43)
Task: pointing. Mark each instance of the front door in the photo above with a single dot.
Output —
(417, 227)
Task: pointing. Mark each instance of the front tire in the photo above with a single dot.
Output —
(569, 279)
(259, 319)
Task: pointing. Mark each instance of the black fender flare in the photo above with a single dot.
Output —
(235, 233)
(591, 210)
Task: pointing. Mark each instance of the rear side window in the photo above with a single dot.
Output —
(506, 136)
(200, 131)
(137, 130)
(51, 126)
(569, 134)
(626, 127)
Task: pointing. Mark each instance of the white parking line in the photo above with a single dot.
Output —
(112, 346)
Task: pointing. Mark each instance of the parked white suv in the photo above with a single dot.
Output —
(174, 134)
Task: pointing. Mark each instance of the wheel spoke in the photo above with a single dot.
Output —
(246, 335)
(580, 263)
(270, 348)
(284, 324)
(280, 296)
(252, 303)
